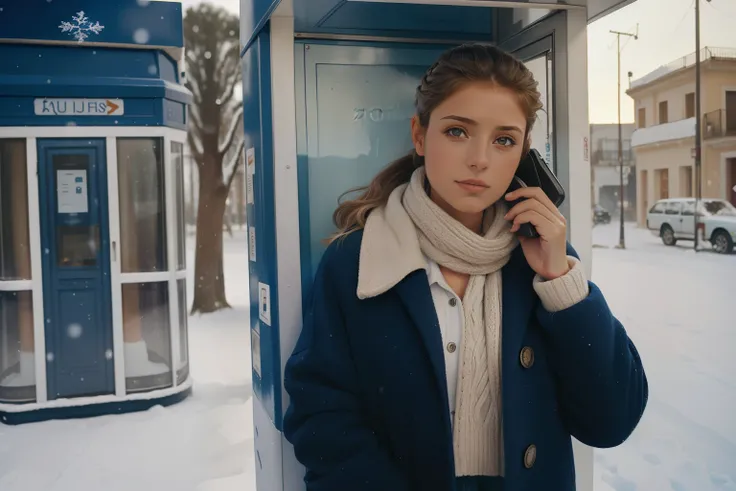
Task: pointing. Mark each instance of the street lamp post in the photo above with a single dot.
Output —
(621, 240)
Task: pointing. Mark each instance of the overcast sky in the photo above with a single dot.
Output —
(664, 36)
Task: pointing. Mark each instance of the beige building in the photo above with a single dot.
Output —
(664, 140)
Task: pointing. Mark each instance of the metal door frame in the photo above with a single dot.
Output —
(47, 196)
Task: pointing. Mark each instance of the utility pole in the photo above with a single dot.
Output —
(698, 135)
(621, 240)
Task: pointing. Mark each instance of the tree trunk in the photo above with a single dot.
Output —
(209, 277)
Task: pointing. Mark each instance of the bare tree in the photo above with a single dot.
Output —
(211, 36)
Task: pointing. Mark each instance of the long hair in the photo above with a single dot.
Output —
(474, 62)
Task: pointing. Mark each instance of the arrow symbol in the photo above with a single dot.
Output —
(112, 107)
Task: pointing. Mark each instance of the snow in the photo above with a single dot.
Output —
(675, 304)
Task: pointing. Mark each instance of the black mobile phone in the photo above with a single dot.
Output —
(533, 171)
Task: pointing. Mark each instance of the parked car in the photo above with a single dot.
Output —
(600, 215)
(674, 219)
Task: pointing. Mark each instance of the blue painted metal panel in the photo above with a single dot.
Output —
(400, 19)
(350, 127)
(132, 22)
(385, 19)
(90, 410)
(254, 15)
(76, 275)
(257, 114)
(144, 79)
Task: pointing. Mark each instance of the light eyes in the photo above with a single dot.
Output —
(457, 133)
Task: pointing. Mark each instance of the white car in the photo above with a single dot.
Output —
(674, 219)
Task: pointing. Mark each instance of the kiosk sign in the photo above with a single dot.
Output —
(78, 107)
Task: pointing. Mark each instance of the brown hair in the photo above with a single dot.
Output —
(457, 66)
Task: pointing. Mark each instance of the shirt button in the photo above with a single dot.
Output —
(453, 302)
(451, 347)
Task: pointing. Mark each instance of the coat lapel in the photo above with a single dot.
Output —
(417, 298)
(517, 304)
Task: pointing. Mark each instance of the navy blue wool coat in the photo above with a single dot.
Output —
(369, 406)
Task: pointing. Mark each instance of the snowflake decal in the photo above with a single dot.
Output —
(80, 27)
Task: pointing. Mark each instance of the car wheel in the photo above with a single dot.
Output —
(722, 242)
(667, 235)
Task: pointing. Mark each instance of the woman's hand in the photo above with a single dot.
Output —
(547, 254)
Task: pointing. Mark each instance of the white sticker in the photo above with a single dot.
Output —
(252, 243)
(255, 350)
(264, 303)
(250, 172)
(71, 191)
(586, 150)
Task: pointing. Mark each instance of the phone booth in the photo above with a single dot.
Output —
(92, 246)
(329, 91)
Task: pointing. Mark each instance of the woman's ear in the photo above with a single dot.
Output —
(417, 135)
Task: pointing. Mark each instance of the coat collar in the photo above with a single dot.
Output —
(389, 251)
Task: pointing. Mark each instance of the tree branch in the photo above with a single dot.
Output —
(237, 158)
(230, 135)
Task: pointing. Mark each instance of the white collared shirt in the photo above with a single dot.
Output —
(449, 308)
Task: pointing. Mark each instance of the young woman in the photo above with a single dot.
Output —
(440, 351)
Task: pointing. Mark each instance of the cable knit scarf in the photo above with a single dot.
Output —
(477, 437)
(395, 241)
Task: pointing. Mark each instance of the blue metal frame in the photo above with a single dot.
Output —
(91, 410)
(258, 127)
(57, 279)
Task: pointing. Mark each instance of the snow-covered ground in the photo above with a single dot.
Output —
(675, 304)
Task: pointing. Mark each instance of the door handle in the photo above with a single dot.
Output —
(114, 251)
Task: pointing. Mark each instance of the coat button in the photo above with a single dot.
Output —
(530, 456)
(526, 357)
(451, 347)
(453, 302)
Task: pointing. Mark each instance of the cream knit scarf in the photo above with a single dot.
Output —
(477, 437)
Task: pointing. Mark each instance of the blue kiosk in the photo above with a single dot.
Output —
(93, 310)
(328, 90)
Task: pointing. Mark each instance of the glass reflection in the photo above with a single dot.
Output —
(147, 336)
(15, 257)
(17, 359)
(142, 205)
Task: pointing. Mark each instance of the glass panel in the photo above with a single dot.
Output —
(147, 336)
(15, 257)
(142, 205)
(183, 370)
(177, 157)
(17, 360)
(77, 246)
(541, 133)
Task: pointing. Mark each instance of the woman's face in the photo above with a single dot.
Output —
(471, 148)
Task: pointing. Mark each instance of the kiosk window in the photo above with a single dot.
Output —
(15, 257)
(77, 236)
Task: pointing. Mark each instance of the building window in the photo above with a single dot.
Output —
(686, 181)
(731, 112)
(663, 116)
(663, 183)
(690, 105)
(642, 119)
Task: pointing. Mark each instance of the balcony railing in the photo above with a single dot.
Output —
(600, 156)
(719, 124)
(707, 53)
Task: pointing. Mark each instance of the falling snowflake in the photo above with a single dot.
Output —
(80, 27)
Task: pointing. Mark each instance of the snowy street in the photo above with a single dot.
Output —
(674, 303)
